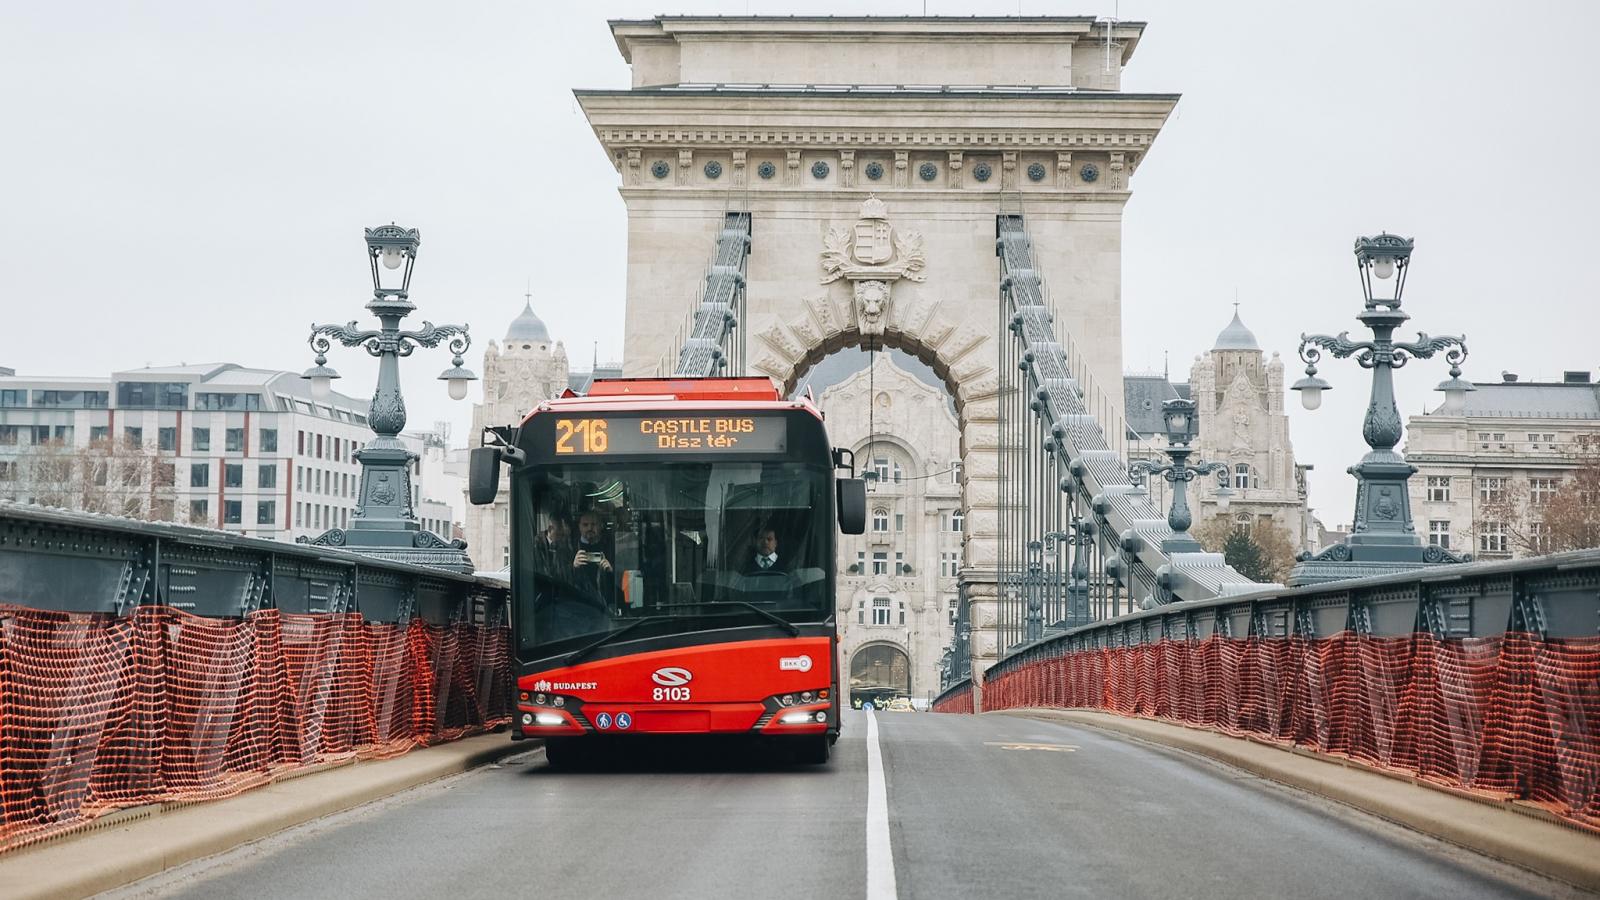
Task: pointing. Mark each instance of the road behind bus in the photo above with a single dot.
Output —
(990, 806)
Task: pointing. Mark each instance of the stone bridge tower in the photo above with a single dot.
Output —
(874, 155)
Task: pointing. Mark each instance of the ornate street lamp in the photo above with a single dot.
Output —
(385, 522)
(1383, 538)
(1183, 423)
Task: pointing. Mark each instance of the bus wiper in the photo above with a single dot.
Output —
(586, 649)
(783, 623)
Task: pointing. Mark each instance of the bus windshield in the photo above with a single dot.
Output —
(687, 545)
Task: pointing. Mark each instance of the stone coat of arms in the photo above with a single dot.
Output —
(872, 257)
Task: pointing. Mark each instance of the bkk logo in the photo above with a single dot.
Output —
(794, 664)
(671, 676)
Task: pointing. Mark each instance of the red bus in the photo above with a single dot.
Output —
(673, 552)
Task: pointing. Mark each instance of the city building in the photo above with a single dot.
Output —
(1239, 393)
(519, 372)
(1484, 474)
(898, 581)
(220, 445)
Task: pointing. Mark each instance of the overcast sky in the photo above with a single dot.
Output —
(187, 182)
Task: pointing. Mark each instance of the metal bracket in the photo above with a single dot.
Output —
(1527, 613)
(407, 608)
(258, 588)
(134, 581)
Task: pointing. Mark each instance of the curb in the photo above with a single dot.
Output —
(111, 856)
(1492, 828)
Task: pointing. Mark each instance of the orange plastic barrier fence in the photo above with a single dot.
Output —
(958, 702)
(99, 712)
(1509, 717)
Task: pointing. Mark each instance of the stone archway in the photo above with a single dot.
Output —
(957, 342)
(878, 672)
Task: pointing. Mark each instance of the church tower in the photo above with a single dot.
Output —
(519, 373)
(1242, 423)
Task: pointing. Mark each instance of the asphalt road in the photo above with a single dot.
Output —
(990, 806)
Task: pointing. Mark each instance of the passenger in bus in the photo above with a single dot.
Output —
(591, 565)
(765, 558)
(550, 549)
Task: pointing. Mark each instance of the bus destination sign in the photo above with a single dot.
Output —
(611, 435)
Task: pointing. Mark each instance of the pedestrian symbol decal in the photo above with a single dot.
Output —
(603, 721)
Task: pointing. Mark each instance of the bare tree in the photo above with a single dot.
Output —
(1567, 520)
(112, 477)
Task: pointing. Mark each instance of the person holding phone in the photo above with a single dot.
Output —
(591, 565)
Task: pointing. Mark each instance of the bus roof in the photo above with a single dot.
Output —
(667, 394)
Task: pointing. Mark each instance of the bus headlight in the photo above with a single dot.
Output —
(796, 718)
(527, 718)
(786, 700)
(549, 719)
(806, 696)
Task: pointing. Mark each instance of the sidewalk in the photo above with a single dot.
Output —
(1522, 838)
(143, 842)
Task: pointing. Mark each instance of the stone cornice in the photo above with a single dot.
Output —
(931, 138)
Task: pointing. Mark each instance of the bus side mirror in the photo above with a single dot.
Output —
(483, 475)
(852, 505)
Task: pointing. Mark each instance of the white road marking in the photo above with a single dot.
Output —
(880, 855)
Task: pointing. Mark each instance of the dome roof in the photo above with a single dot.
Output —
(527, 327)
(1236, 336)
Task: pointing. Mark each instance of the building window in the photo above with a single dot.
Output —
(200, 439)
(200, 475)
(902, 612)
(880, 519)
(99, 434)
(233, 475)
(899, 563)
(232, 512)
(1491, 440)
(267, 477)
(269, 440)
(301, 442)
(955, 521)
(167, 439)
(267, 512)
(227, 401)
(1241, 476)
(861, 562)
(233, 440)
(1491, 489)
(13, 398)
(949, 564)
(299, 478)
(133, 436)
(1543, 439)
(880, 610)
(8, 470)
(899, 473)
(955, 473)
(299, 514)
(199, 512)
(1439, 490)
(152, 395)
(1542, 490)
(1439, 533)
(1492, 537)
(900, 522)
(1540, 538)
(319, 447)
(861, 612)
(880, 563)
